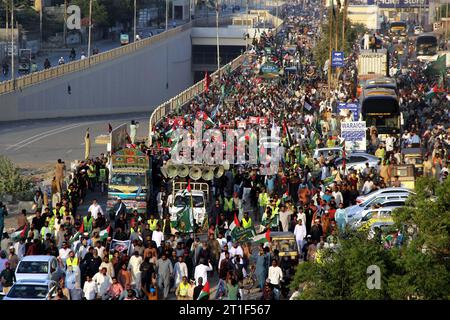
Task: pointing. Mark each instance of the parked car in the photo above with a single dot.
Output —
(356, 212)
(39, 268)
(383, 191)
(357, 161)
(372, 216)
(32, 290)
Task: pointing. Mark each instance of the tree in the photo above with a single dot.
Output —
(99, 13)
(11, 182)
(418, 269)
(321, 51)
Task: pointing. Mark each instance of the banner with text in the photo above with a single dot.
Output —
(354, 134)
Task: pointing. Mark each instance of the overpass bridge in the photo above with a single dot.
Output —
(130, 78)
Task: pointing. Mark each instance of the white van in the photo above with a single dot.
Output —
(39, 268)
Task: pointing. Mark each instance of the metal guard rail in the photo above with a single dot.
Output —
(187, 95)
(184, 97)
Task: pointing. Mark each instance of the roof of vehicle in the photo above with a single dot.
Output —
(35, 281)
(280, 234)
(194, 193)
(37, 258)
(399, 189)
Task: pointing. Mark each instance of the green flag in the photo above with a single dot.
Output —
(184, 216)
(437, 67)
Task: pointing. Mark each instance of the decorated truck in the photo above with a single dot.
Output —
(130, 179)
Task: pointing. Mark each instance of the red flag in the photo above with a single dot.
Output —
(207, 82)
(23, 233)
(189, 186)
(268, 235)
(236, 221)
(81, 230)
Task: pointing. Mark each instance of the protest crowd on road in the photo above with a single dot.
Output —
(307, 196)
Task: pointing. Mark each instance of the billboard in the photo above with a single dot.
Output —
(348, 111)
(119, 138)
(398, 3)
(354, 134)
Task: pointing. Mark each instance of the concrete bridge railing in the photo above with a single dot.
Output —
(75, 66)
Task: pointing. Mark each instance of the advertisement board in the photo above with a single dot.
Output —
(354, 134)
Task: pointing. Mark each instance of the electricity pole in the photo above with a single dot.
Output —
(217, 35)
(65, 22)
(167, 15)
(13, 72)
(134, 22)
(90, 28)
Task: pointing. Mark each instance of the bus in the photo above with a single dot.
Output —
(427, 45)
(382, 82)
(398, 30)
(380, 109)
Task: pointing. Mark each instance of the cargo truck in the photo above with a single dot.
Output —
(130, 180)
(371, 65)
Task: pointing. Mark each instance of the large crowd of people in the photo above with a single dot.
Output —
(307, 196)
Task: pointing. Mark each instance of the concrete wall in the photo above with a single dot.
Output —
(132, 83)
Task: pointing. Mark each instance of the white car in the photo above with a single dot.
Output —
(356, 212)
(32, 290)
(383, 191)
(357, 161)
(39, 268)
(418, 30)
(381, 214)
(325, 151)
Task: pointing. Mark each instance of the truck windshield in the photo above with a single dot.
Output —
(181, 201)
(130, 179)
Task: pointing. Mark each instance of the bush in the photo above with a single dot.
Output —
(11, 182)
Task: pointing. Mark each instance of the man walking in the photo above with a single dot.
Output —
(165, 272)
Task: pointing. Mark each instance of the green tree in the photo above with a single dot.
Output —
(99, 12)
(352, 31)
(11, 181)
(419, 269)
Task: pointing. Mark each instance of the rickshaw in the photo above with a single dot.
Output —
(414, 156)
(286, 245)
(406, 175)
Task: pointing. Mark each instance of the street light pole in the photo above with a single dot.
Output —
(167, 15)
(217, 35)
(65, 21)
(13, 73)
(134, 22)
(90, 28)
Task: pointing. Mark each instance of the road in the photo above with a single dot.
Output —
(40, 142)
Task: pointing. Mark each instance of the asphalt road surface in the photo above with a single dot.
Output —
(39, 142)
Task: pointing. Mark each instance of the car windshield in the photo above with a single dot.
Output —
(33, 267)
(284, 245)
(128, 179)
(181, 201)
(28, 291)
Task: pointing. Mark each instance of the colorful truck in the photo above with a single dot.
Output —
(129, 180)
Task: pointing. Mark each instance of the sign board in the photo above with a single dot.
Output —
(398, 3)
(354, 134)
(119, 138)
(269, 68)
(349, 111)
(337, 59)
